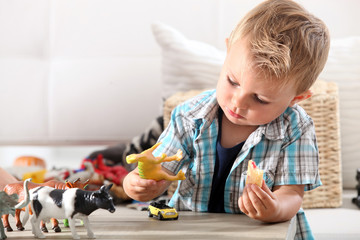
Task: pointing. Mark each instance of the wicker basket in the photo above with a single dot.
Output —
(323, 107)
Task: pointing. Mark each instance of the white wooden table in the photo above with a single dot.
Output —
(128, 223)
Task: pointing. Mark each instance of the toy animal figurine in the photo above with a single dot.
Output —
(356, 200)
(8, 204)
(85, 172)
(17, 188)
(150, 167)
(72, 204)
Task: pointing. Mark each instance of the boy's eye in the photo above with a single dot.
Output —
(260, 100)
(232, 82)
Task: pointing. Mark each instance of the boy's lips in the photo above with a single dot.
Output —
(235, 115)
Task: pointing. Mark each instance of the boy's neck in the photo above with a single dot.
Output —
(232, 134)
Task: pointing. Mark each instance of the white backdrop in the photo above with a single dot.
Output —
(89, 71)
(78, 71)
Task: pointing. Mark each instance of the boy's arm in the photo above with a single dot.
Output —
(277, 206)
(143, 189)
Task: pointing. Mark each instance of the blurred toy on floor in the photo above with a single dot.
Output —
(28, 161)
(85, 172)
(6, 178)
(37, 176)
(25, 167)
(113, 174)
(93, 169)
(356, 200)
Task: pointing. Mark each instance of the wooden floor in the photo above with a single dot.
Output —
(128, 223)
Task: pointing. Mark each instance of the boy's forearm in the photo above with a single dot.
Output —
(290, 202)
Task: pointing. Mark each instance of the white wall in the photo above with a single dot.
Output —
(89, 70)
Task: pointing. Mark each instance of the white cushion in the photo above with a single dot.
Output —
(186, 64)
(189, 64)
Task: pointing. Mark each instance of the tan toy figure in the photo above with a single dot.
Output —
(150, 167)
(254, 175)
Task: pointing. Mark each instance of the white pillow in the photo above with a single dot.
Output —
(186, 64)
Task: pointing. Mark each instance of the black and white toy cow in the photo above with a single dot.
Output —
(74, 203)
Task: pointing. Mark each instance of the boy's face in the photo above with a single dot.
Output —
(244, 95)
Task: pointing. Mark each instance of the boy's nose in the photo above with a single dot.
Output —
(240, 100)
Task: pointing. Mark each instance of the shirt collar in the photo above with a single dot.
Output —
(205, 108)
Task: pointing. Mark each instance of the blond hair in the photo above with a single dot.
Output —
(286, 42)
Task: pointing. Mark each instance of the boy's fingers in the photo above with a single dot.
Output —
(259, 192)
(267, 190)
(147, 185)
(145, 182)
(247, 201)
(241, 206)
(258, 198)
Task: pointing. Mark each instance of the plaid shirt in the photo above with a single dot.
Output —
(285, 149)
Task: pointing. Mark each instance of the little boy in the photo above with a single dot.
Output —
(274, 55)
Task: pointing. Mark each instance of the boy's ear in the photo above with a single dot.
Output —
(301, 97)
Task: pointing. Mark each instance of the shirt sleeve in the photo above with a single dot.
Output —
(300, 159)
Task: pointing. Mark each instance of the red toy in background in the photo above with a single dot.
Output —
(115, 174)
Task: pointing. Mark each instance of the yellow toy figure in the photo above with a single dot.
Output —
(150, 167)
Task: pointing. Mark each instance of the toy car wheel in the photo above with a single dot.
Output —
(150, 215)
(160, 216)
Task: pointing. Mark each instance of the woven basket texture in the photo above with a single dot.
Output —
(323, 107)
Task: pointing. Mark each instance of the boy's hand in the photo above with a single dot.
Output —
(259, 203)
(267, 206)
(143, 189)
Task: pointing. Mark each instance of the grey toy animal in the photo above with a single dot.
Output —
(8, 204)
